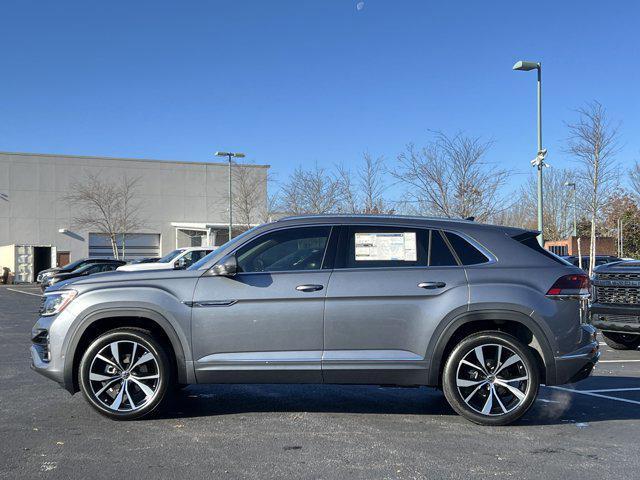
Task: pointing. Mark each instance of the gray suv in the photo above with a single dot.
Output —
(481, 311)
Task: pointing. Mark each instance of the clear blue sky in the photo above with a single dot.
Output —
(294, 82)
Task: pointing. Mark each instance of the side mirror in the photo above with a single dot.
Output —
(180, 264)
(227, 267)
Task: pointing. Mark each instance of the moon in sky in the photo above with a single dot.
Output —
(359, 6)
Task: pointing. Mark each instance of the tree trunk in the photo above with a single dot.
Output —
(114, 246)
(579, 252)
(592, 249)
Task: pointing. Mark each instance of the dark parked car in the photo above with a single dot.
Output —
(615, 307)
(70, 267)
(86, 269)
(600, 260)
(146, 260)
(481, 311)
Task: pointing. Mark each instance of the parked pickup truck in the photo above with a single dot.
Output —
(615, 307)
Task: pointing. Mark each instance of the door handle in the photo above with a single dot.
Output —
(432, 285)
(309, 288)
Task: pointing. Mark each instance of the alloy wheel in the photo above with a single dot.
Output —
(124, 376)
(492, 379)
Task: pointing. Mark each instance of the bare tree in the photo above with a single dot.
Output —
(310, 191)
(634, 177)
(248, 197)
(558, 203)
(107, 207)
(372, 185)
(364, 193)
(130, 217)
(593, 141)
(450, 177)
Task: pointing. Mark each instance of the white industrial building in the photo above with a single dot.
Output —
(182, 203)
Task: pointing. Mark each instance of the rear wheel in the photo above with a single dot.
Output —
(491, 378)
(621, 341)
(125, 374)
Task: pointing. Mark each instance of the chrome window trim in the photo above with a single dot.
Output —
(492, 258)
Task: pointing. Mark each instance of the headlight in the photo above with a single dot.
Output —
(54, 303)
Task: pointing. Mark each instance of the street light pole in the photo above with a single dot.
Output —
(229, 156)
(538, 162)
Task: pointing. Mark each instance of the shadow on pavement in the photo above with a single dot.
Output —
(552, 407)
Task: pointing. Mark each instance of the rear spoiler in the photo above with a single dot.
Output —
(520, 234)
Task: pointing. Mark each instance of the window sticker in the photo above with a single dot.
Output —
(386, 246)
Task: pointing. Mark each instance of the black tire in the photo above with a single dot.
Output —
(621, 341)
(128, 386)
(471, 400)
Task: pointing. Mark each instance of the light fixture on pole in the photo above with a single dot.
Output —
(539, 160)
(229, 156)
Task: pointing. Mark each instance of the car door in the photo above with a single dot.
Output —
(390, 288)
(265, 323)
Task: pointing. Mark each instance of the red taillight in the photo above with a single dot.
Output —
(570, 285)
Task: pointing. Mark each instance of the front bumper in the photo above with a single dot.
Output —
(615, 318)
(578, 365)
(46, 351)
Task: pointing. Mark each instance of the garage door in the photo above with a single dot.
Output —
(137, 245)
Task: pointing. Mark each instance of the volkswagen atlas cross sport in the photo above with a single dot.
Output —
(480, 311)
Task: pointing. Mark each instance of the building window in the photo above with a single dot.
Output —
(559, 249)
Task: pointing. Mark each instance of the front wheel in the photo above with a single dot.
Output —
(125, 374)
(491, 378)
(621, 341)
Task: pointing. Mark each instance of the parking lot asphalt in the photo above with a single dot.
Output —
(588, 430)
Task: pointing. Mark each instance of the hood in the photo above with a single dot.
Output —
(121, 277)
(50, 270)
(622, 266)
(63, 275)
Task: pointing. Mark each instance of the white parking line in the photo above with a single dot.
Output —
(604, 390)
(26, 293)
(591, 394)
(618, 361)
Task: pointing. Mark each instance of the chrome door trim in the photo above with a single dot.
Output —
(210, 303)
(370, 356)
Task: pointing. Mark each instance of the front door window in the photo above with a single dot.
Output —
(294, 249)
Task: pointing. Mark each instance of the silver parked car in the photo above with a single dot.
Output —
(481, 311)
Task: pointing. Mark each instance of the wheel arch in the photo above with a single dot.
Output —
(508, 321)
(99, 322)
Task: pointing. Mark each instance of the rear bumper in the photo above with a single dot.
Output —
(578, 365)
(614, 318)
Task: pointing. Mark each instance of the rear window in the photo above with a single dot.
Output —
(529, 239)
(467, 253)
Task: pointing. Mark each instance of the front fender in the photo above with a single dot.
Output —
(161, 307)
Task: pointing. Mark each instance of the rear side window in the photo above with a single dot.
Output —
(381, 246)
(467, 253)
(439, 252)
(529, 239)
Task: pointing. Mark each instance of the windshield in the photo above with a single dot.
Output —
(69, 267)
(233, 241)
(170, 256)
(84, 268)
